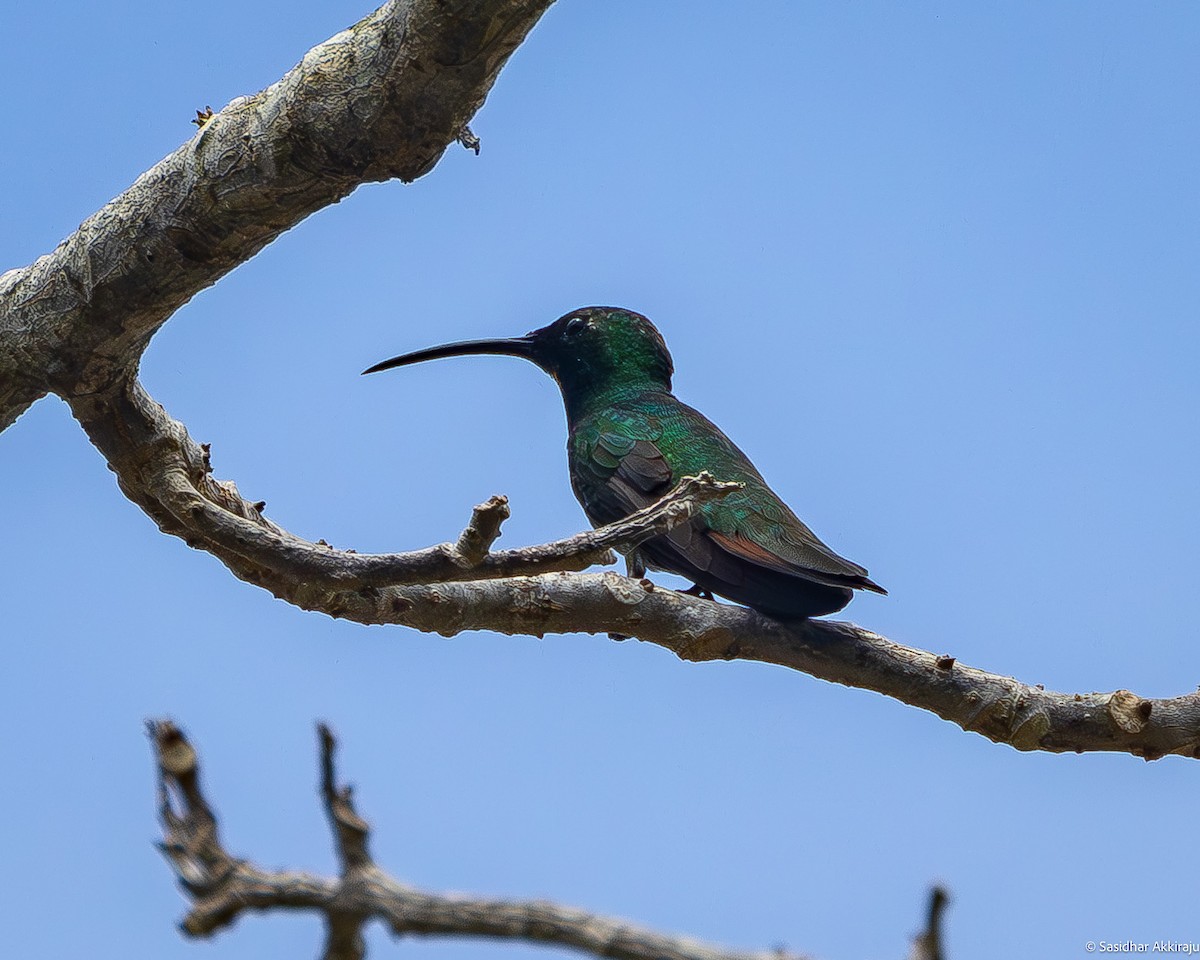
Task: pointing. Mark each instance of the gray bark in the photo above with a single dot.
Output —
(536, 591)
(222, 886)
(381, 100)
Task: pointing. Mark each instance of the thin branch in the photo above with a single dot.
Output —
(928, 944)
(349, 829)
(168, 475)
(221, 887)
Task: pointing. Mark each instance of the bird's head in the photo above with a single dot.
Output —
(589, 351)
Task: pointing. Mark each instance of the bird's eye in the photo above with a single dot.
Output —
(575, 325)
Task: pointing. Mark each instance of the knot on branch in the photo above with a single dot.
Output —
(1129, 711)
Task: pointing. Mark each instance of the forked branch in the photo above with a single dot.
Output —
(221, 886)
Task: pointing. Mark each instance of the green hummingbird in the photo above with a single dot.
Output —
(630, 441)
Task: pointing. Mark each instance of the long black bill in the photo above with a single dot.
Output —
(513, 347)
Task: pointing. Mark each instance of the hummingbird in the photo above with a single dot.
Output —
(630, 441)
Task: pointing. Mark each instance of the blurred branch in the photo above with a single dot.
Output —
(927, 945)
(221, 887)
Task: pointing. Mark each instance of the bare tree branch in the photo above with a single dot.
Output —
(168, 475)
(381, 100)
(447, 590)
(221, 887)
(928, 945)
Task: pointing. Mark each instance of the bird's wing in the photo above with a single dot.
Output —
(789, 548)
(622, 469)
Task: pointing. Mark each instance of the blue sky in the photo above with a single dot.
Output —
(932, 265)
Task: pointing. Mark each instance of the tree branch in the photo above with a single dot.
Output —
(221, 887)
(447, 589)
(928, 944)
(383, 99)
(167, 474)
